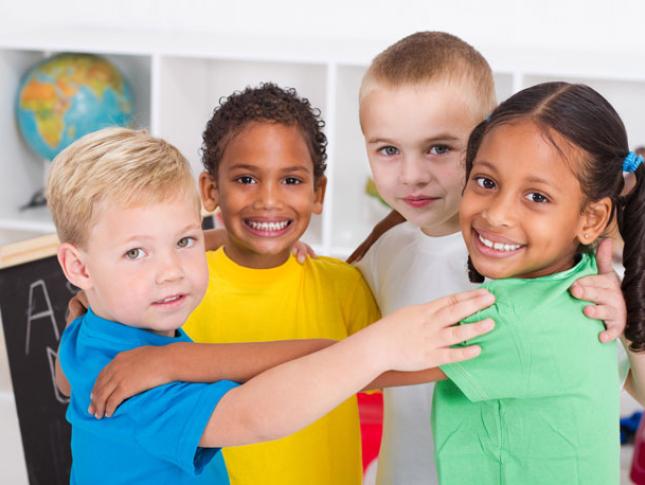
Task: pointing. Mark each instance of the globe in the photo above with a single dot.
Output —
(70, 95)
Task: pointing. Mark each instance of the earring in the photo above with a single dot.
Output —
(585, 236)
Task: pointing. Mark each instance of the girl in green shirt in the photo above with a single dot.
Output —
(541, 403)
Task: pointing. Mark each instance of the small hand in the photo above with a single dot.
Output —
(76, 307)
(423, 336)
(604, 291)
(301, 251)
(128, 374)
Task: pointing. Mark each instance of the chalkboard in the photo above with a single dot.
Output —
(33, 300)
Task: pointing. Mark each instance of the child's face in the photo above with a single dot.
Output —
(146, 264)
(265, 189)
(416, 138)
(522, 210)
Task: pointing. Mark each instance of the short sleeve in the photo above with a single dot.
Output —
(360, 306)
(503, 368)
(170, 420)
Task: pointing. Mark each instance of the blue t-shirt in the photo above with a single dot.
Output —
(152, 437)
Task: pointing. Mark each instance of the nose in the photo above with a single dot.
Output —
(500, 211)
(414, 171)
(268, 196)
(169, 268)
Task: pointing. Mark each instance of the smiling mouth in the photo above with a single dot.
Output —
(268, 228)
(170, 301)
(496, 248)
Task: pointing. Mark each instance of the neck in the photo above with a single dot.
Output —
(253, 260)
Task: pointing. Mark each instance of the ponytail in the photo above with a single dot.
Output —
(631, 222)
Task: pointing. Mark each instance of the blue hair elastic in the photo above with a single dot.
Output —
(631, 162)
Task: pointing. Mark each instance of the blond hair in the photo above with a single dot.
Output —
(115, 164)
(433, 56)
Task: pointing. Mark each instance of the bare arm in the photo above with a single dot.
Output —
(635, 382)
(143, 368)
(396, 378)
(286, 398)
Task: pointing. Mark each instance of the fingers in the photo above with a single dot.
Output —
(301, 251)
(454, 308)
(606, 280)
(613, 319)
(604, 257)
(459, 354)
(461, 333)
(599, 295)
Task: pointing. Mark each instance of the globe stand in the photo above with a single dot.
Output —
(38, 198)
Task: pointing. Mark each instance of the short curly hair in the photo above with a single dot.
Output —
(266, 103)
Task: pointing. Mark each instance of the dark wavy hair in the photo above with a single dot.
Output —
(587, 120)
(267, 103)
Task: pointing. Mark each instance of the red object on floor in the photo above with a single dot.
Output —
(637, 473)
(370, 410)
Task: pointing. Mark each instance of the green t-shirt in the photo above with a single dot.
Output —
(540, 405)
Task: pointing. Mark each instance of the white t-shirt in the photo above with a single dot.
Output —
(406, 267)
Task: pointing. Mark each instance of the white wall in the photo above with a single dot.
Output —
(588, 25)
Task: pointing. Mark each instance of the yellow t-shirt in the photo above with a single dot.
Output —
(324, 298)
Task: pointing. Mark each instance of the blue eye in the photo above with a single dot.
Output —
(245, 180)
(439, 149)
(134, 254)
(537, 198)
(292, 181)
(388, 151)
(186, 242)
(485, 183)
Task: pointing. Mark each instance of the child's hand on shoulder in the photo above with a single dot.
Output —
(604, 291)
(422, 336)
(302, 251)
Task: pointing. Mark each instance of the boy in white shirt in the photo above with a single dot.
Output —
(419, 101)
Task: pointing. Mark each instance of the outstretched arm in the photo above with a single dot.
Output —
(288, 397)
(143, 368)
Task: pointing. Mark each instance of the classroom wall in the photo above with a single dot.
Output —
(577, 24)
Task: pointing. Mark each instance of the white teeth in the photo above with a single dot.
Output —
(498, 246)
(169, 299)
(268, 226)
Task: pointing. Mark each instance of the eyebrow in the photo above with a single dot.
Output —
(533, 179)
(189, 227)
(432, 139)
(293, 168)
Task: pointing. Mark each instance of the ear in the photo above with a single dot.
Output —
(319, 194)
(71, 259)
(209, 192)
(594, 219)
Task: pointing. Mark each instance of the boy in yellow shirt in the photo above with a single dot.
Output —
(264, 155)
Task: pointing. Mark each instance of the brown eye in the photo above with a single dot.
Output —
(485, 183)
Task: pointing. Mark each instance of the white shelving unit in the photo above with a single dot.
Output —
(178, 80)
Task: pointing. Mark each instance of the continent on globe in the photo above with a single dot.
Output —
(68, 96)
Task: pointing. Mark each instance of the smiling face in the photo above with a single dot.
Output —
(266, 191)
(416, 139)
(145, 265)
(523, 213)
